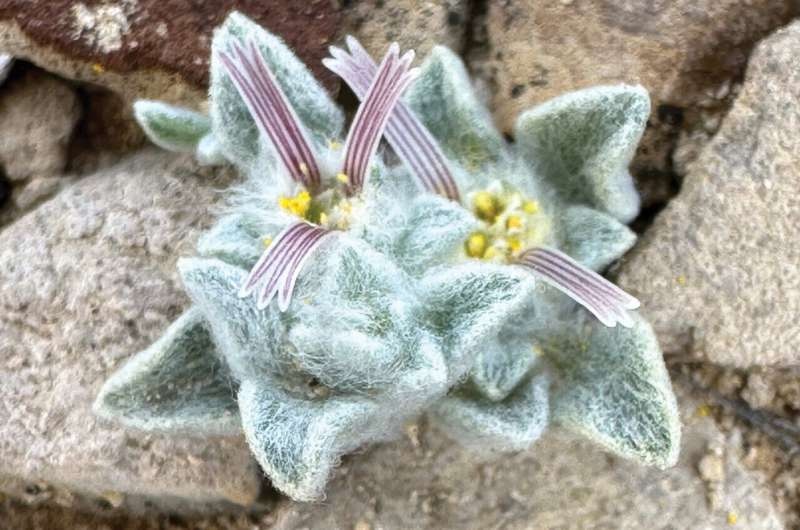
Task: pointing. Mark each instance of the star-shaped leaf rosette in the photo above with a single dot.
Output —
(340, 296)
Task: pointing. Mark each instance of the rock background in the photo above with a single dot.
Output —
(92, 221)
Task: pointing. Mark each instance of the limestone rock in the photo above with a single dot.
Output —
(86, 280)
(38, 113)
(717, 272)
(561, 483)
(415, 25)
(151, 48)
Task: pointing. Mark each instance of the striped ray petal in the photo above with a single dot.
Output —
(603, 299)
(277, 270)
(272, 112)
(406, 134)
(381, 96)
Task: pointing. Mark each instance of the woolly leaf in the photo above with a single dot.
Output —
(501, 364)
(593, 238)
(443, 99)
(177, 384)
(487, 426)
(234, 239)
(582, 143)
(467, 304)
(233, 126)
(169, 127)
(614, 389)
(250, 339)
(209, 151)
(356, 330)
(434, 233)
(298, 441)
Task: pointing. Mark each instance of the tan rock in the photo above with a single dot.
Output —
(86, 280)
(415, 25)
(717, 272)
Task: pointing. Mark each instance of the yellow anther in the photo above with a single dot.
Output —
(681, 280)
(703, 411)
(490, 253)
(298, 205)
(303, 168)
(323, 218)
(344, 179)
(485, 206)
(267, 241)
(333, 144)
(514, 222)
(732, 518)
(514, 244)
(98, 68)
(530, 207)
(476, 245)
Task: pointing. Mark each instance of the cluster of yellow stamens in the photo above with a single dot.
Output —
(511, 221)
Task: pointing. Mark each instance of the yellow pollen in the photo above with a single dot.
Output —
(485, 206)
(514, 222)
(732, 518)
(681, 280)
(514, 244)
(267, 241)
(98, 68)
(530, 207)
(476, 245)
(323, 218)
(344, 179)
(490, 253)
(333, 144)
(298, 205)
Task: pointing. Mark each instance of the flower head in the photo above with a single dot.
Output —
(512, 224)
(324, 202)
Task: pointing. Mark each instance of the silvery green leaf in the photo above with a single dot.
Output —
(444, 100)
(355, 327)
(298, 441)
(177, 384)
(235, 238)
(434, 233)
(582, 143)
(501, 364)
(169, 127)
(594, 238)
(613, 388)
(250, 339)
(487, 426)
(467, 304)
(233, 126)
(209, 151)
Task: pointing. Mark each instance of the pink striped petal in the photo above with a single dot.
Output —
(277, 270)
(406, 134)
(272, 112)
(393, 76)
(600, 297)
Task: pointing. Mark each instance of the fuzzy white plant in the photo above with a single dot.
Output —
(340, 297)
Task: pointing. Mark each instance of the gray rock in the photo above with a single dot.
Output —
(718, 270)
(86, 280)
(426, 481)
(37, 115)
